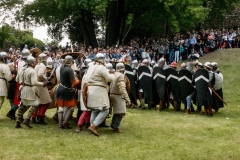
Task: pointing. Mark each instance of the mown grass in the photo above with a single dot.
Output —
(147, 134)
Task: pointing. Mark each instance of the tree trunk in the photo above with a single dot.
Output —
(123, 27)
(91, 31)
(112, 23)
(84, 30)
(119, 18)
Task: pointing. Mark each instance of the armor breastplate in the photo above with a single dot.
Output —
(65, 71)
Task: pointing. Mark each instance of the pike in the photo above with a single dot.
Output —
(218, 96)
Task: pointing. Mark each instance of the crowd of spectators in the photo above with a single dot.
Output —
(191, 46)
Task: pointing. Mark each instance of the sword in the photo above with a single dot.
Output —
(218, 95)
(52, 72)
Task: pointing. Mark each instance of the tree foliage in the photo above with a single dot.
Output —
(9, 36)
(120, 19)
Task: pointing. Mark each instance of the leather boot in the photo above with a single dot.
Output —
(142, 102)
(41, 120)
(18, 125)
(149, 105)
(66, 119)
(175, 106)
(27, 123)
(93, 129)
(34, 120)
(55, 117)
(210, 111)
(11, 115)
(160, 108)
(188, 111)
(79, 129)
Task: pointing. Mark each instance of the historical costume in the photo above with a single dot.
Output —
(27, 77)
(98, 100)
(42, 92)
(84, 118)
(145, 84)
(16, 102)
(118, 97)
(5, 76)
(66, 94)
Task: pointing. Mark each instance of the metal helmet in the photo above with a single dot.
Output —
(42, 57)
(153, 62)
(120, 60)
(25, 53)
(120, 67)
(31, 60)
(50, 62)
(145, 61)
(129, 60)
(68, 59)
(207, 64)
(189, 66)
(135, 63)
(183, 66)
(109, 66)
(87, 61)
(161, 62)
(99, 58)
(3, 55)
(214, 64)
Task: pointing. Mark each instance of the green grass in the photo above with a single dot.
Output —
(147, 134)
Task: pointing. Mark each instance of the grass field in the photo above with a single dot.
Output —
(147, 134)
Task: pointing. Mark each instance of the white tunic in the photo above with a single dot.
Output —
(28, 76)
(42, 92)
(98, 84)
(5, 73)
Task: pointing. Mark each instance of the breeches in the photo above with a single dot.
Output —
(84, 118)
(116, 120)
(98, 116)
(1, 101)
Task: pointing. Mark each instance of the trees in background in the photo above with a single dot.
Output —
(117, 21)
(9, 36)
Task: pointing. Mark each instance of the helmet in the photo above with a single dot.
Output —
(214, 64)
(173, 64)
(135, 63)
(153, 62)
(120, 67)
(11, 50)
(145, 61)
(42, 57)
(25, 53)
(120, 61)
(50, 62)
(207, 64)
(161, 62)
(189, 66)
(183, 65)
(68, 59)
(31, 60)
(3, 55)
(99, 58)
(87, 61)
(109, 66)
